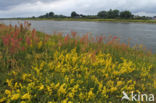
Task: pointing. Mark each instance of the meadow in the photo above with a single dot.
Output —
(39, 68)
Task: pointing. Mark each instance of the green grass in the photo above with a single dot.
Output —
(85, 19)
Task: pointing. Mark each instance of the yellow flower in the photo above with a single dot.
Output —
(31, 45)
(14, 73)
(42, 65)
(119, 83)
(26, 96)
(110, 83)
(41, 87)
(9, 82)
(81, 96)
(49, 90)
(113, 89)
(18, 90)
(104, 92)
(100, 86)
(106, 75)
(16, 85)
(2, 99)
(24, 76)
(39, 44)
(71, 95)
(74, 59)
(23, 102)
(37, 70)
(61, 90)
(15, 96)
(8, 92)
(64, 101)
(90, 94)
(71, 81)
(57, 85)
(66, 78)
(154, 83)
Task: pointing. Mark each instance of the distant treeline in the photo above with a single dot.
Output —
(111, 14)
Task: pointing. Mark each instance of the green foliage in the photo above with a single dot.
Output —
(74, 14)
(47, 15)
(102, 14)
(115, 14)
(111, 14)
(51, 14)
(126, 15)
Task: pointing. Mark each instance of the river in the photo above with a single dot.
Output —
(138, 33)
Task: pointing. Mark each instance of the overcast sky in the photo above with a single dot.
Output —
(29, 8)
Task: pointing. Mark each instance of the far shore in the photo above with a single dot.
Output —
(86, 19)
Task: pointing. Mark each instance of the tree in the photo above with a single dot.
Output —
(116, 13)
(102, 14)
(110, 14)
(33, 17)
(51, 14)
(126, 15)
(46, 15)
(74, 14)
(60, 16)
(113, 13)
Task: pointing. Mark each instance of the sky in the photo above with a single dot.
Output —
(29, 8)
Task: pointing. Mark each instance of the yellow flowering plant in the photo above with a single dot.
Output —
(64, 69)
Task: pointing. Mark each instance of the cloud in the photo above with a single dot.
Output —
(25, 8)
(7, 4)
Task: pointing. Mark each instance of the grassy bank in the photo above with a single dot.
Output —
(39, 68)
(96, 20)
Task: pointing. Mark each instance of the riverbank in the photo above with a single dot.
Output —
(36, 67)
(91, 20)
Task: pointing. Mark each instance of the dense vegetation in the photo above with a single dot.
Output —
(40, 68)
(51, 15)
(111, 14)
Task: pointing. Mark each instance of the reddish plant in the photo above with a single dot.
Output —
(28, 40)
(12, 41)
(75, 42)
(15, 41)
(66, 39)
(73, 34)
(99, 39)
(115, 38)
(84, 39)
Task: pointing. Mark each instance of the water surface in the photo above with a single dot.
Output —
(139, 33)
